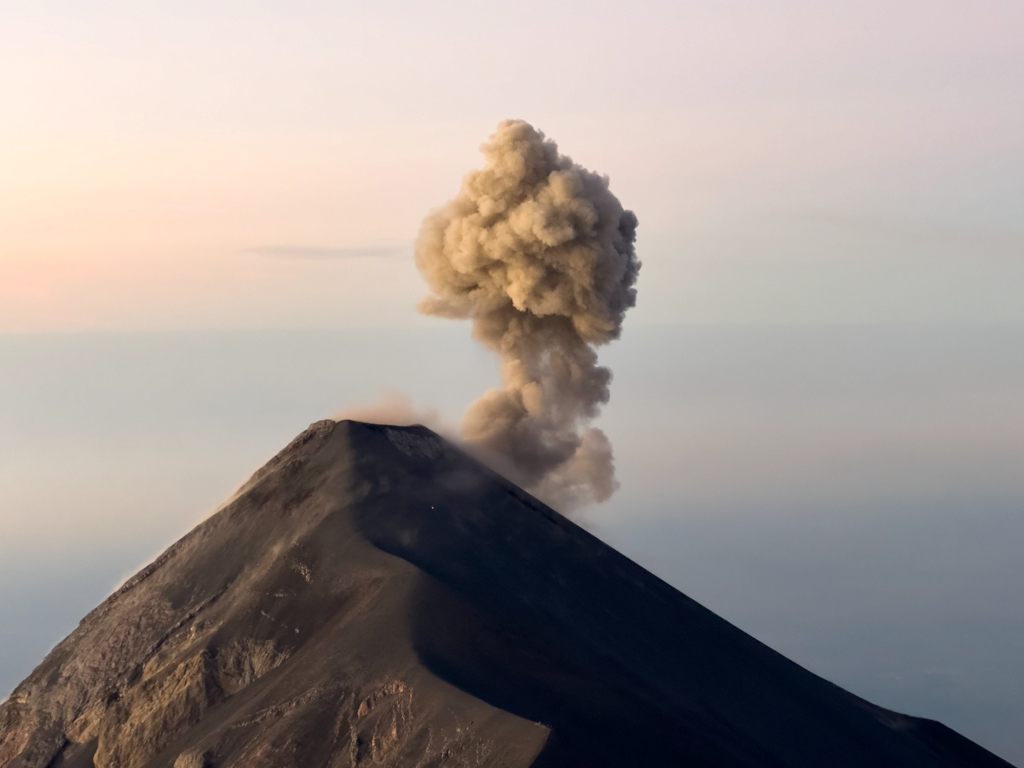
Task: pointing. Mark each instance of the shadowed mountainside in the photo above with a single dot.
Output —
(372, 596)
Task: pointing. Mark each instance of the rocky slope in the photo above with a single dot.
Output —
(375, 597)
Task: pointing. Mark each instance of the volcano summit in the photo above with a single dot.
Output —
(373, 596)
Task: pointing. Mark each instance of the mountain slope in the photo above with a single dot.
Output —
(373, 596)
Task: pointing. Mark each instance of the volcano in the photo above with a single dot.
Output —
(375, 597)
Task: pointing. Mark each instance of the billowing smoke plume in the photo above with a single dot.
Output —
(539, 253)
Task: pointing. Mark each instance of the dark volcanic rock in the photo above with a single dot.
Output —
(374, 597)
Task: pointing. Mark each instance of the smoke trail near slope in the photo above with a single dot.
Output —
(539, 253)
(397, 409)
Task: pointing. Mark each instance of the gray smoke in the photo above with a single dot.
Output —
(538, 252)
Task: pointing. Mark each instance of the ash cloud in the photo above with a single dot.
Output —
(539, 254)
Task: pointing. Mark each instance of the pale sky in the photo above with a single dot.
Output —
(789, 161)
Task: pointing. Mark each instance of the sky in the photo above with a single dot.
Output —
(207, 213)
(198, 165)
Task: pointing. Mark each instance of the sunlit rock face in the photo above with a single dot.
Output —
(373, 596)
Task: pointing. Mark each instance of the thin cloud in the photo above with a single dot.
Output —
(914, 229)
(313, 253)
